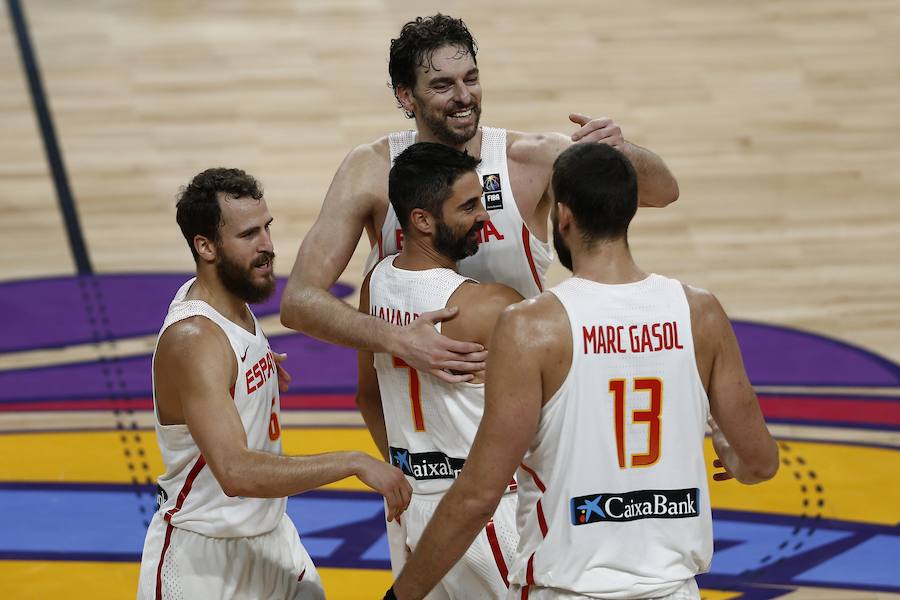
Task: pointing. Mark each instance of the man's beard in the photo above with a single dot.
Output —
(454, 247)
(559, 244)
(237, 279)
(438, 126)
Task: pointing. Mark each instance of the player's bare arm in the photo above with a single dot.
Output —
(529, 347)
(356, 197)
(368, 394)
(196, 393)
(740, 436)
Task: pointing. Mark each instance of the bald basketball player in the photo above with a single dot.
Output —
(422, 424)
(220, 528)
(598, 392)
(435, 78)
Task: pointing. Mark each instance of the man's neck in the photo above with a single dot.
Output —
(473, 146)
(417, 255)
(607, 262)
(209, 289)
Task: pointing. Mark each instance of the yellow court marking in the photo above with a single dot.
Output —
(39, 580)
(851, 477)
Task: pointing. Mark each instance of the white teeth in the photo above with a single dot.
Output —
(462, 114)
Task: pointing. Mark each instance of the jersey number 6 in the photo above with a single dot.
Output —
(650, 417)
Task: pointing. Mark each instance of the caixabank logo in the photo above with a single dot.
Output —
(631, 506)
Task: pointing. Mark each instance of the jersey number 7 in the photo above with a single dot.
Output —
(414, 393)
(654, 386)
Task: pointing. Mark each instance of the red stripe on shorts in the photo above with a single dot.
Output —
(162, 557)
(498, 553)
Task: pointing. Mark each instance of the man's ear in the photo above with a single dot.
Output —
(422, 221)
(205, 248)
(406, 99)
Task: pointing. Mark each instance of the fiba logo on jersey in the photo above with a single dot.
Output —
(631, 506)
(493, 197)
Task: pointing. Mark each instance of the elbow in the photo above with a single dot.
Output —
(763, 469)
(668, 195)
(481, 505)
(232, 481)
(292, 309)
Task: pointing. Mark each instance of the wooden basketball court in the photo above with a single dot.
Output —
(780, 121)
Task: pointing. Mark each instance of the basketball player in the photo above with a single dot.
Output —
(599, 391)
(220, 530)
(435, 79)
(421, 423)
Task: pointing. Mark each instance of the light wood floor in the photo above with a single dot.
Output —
(781, 121)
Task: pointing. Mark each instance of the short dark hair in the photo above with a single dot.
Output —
(423, 176)
(198, 208)
(599, 185)
(417, 43)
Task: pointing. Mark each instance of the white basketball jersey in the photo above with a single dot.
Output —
(430, 424)
(188, 494)
(613, 501)
(508, 253)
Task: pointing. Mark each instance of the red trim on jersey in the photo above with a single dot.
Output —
(526, 240)
(529, 570)
(498, 553)
(162, 557)
(513, 485)
(186, 488)
(231, 391)
(537, 480)
(299, 579)
(380, 245)
(525, 592)
(541, 520)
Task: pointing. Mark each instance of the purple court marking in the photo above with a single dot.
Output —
(54, 311)
(780, 356)
(316, 367)
(61, 311)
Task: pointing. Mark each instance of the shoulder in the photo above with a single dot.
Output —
(371, 157)
(490, 298)
(707, 314)
(197, 337)
(538, 324)
(535, 148)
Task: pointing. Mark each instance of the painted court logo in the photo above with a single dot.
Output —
(493, 197)
(631, 506)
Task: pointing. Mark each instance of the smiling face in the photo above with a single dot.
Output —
(446, 98)
(456, 233)
(245, 256)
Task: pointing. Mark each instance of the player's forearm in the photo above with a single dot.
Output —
(459, 517)
(656, 184)
(258, 474)
(318, 313)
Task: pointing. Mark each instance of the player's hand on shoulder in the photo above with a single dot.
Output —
(387, 480)
(424, 349)
(603, 130)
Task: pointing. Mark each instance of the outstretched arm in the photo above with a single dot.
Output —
(199, 388)
(308, 306)
(512, 410)
(656, 185)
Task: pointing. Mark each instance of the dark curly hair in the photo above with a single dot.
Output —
(423, 176)
(198, 208)
(416, 45)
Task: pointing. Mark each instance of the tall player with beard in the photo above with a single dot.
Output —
(220, 530)
(434, 75)
(421, 423)
(602, 413)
